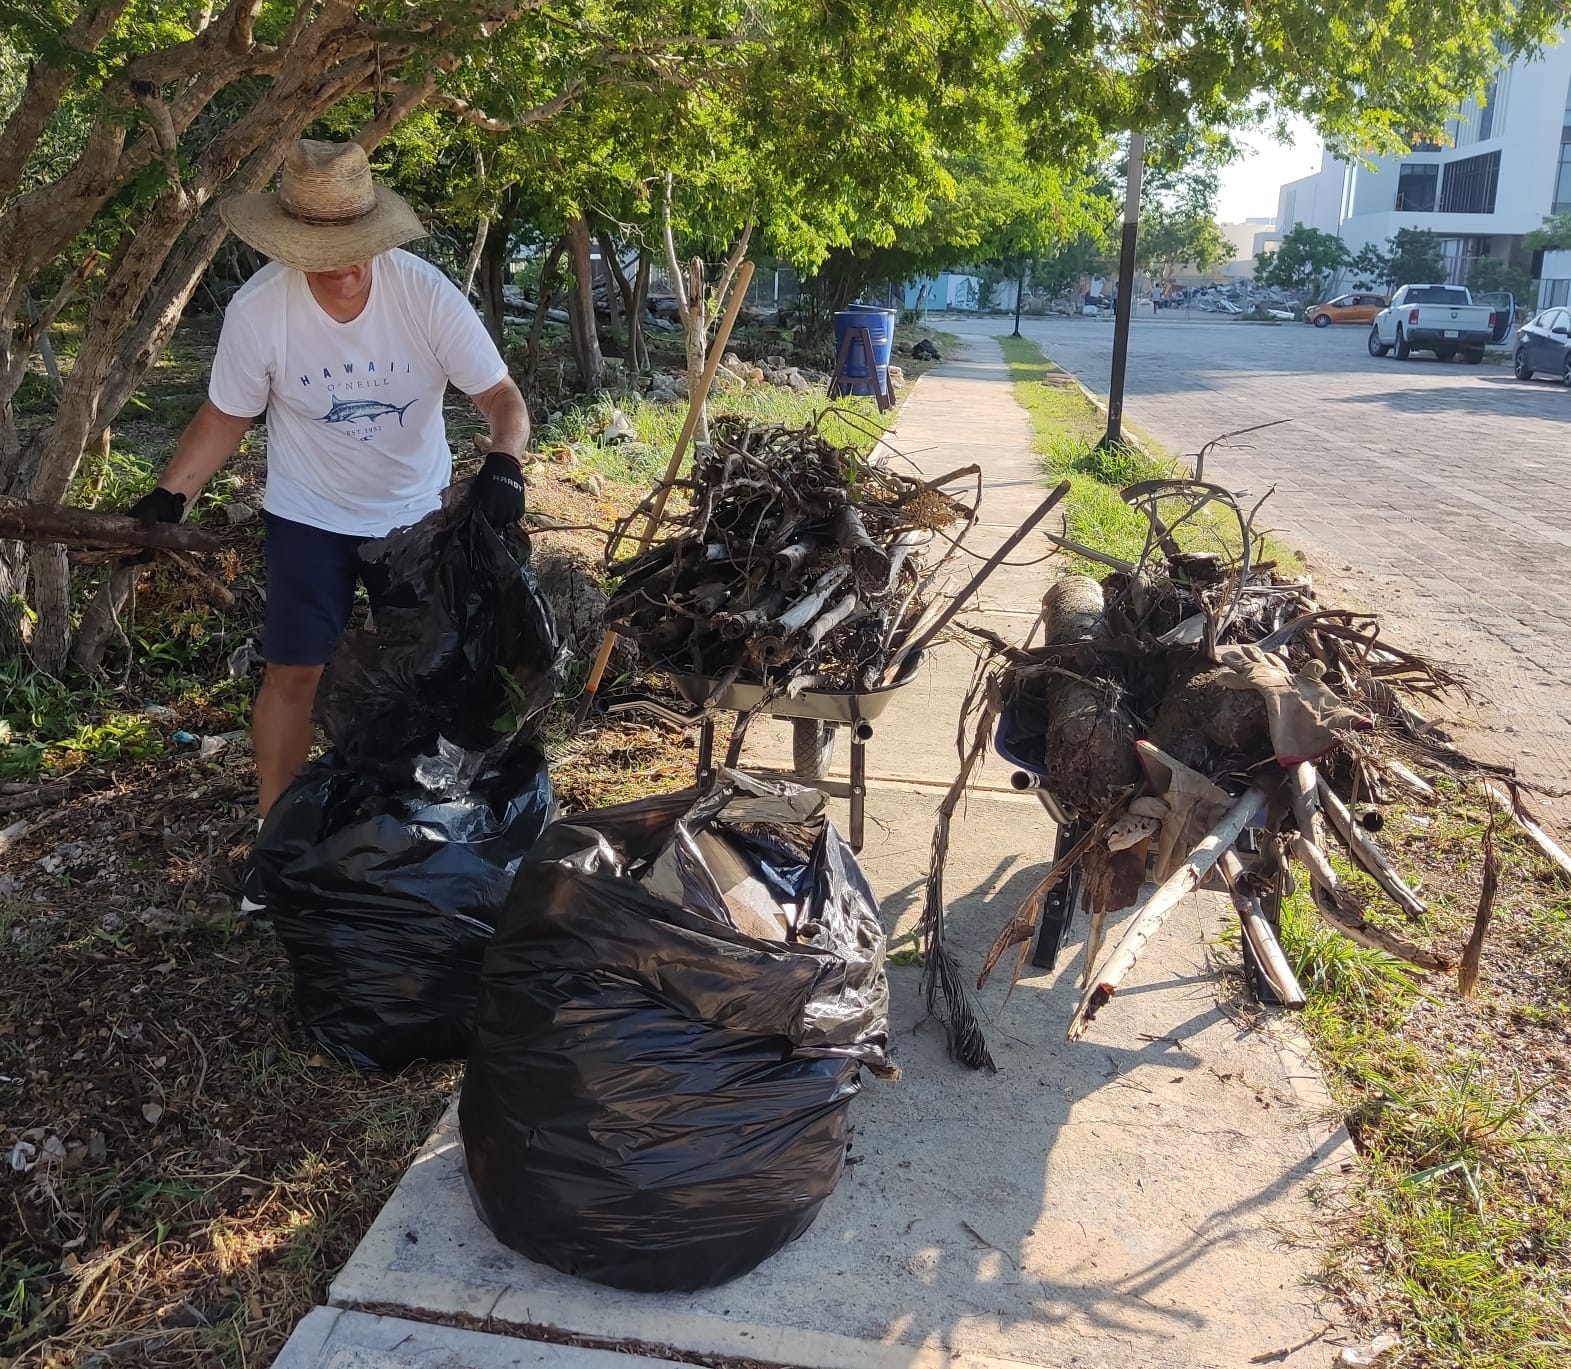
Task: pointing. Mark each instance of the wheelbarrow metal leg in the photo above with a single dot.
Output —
(1260, 982)
(706, 751)
(1062, 902)
(859, 737)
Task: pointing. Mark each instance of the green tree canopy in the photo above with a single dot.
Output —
(1553, 235)
(1306, 262)
(1368, 77)
(1489, 274)
(1414, 258)
(1175, 237)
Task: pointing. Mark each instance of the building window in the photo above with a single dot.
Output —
(1486, 116)
(1469, 185)
(1415, 188)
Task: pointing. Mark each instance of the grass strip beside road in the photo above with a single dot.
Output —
(1068, 427)
(1455, 1231)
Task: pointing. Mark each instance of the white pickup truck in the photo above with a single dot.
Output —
(1433, 318)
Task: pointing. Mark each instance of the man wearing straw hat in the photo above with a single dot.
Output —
(346, 346)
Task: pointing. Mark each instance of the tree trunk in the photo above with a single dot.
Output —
(51, 599)
(493, 266)
(493, 280)
(581, 307)
(614, 343)
(542, 307)
(473, 264)
(101, 622)
(46, 349)
(688, 283)
(637, 340)
(695, 338)
(623, 292)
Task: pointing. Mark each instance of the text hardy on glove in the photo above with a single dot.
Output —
(499, 489)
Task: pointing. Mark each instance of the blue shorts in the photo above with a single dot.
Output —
(311, 578)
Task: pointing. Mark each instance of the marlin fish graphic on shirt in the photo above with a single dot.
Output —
(363, 411)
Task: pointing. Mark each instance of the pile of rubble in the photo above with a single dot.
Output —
(734, 375)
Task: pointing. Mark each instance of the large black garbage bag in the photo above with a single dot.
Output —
(654, 1098)
(385, 892)
(462, 645)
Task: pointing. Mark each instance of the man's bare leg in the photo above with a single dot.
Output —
(281, 728)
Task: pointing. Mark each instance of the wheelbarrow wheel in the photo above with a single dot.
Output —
(812, 745)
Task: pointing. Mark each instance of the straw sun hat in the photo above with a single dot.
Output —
(327, 212)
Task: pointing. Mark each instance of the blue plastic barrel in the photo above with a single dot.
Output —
(859, 377)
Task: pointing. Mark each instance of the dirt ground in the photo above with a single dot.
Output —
(184, 1169)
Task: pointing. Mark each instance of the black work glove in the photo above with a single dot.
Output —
(499, 490)
(161, 506)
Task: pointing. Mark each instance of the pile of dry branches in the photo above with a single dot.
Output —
(1182, 702)
(796, 563)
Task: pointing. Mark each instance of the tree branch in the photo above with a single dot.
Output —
(230, 37)
(461, 107)
(42, 93)
(407, 97)
(733, 265)
(672, 265)
(72, 283)
(64, 523)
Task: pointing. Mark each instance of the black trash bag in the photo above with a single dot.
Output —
(385, 893)
(656, 1099)
(459, 614)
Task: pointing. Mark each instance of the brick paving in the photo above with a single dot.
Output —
(1439, 495)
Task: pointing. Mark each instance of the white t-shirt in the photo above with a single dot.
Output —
(355, 437)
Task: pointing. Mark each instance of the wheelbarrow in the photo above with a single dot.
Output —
(1067, 897)
(815, 716)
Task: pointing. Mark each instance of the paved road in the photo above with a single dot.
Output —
(1443, 492)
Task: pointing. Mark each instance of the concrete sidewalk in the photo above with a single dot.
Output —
(1124, 1201)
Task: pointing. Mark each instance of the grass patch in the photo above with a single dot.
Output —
(1068, 427)
(1457, 1229)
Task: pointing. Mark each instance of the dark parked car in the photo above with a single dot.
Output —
(1543, 345)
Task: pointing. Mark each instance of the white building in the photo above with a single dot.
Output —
(1249, 237)
(1505, 166)
(950, 290)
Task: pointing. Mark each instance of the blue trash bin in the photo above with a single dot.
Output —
(858, 376)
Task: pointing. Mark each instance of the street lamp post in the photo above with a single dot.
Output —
(1114, 436)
